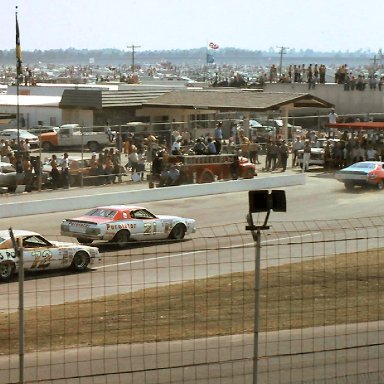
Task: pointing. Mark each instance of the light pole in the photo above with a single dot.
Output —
(261, 201)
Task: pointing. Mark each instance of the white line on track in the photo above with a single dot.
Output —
(203, 251)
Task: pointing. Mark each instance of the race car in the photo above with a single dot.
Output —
(40, 254)
(120, 224)
(363, 173)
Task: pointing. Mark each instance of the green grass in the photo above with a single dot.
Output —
(338, 289)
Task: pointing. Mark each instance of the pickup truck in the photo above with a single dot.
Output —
(73, 135)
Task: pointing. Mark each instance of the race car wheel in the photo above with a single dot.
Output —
(121, 238)
(7, 270)
(207, 177)
(178, 232)
(249, 174)
(80, 261)
(82, 240)
(380, 185)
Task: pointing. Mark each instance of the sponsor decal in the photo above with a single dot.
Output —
(120, 226)
(6, 255)
(79, 225)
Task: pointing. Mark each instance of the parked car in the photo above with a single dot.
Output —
(363, 173)
(7, 175)
(120, 224)
(11, 134)
(40, 254)
(76, 168)
(317, 152)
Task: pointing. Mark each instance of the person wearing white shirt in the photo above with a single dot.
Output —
(332, 119)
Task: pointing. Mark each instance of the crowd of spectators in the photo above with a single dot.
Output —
(343, 148)
(316, 74)
(28, 167)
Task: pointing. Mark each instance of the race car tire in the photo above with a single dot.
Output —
(80, 261)
(178, 232)
(121, 238)
(83, 240)
(250, 174)
(7, 270)
(380, 185)
(207, 177)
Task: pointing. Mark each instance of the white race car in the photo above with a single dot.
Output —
(120, 224)
(40, 254)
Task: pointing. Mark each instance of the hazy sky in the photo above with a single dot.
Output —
(325, 25)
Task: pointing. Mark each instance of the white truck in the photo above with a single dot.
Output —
(73, 135)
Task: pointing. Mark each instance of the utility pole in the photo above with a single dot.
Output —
(374, 67)
(132, 48)
(282, 52)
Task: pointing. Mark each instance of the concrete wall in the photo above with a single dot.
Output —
(51, 204)
(346, 102)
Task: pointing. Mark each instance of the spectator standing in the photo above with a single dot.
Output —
(211, 147)
(297, 145)
(176, 146)
(254, 148)
(27, 147)
(306, 155)
(65, 171)
(133, 159)
(38, 169)
(218, 136)
(322, 72)
(28, 176)
(55, 174)
(199, 148)
(110, 178)
(284, 153)
(332, 119)
(141, 163)
(244, 144)
(371, 153)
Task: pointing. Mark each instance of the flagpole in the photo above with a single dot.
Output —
(18, 73)
(21, 260)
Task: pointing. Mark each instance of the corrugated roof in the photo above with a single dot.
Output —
(225, 99)
(222, 99)
(98, 99)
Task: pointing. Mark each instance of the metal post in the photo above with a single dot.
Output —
(82, 158)
(257, 306)
(21, 311)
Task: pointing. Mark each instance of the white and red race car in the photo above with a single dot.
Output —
(40, 254)
(120, 224)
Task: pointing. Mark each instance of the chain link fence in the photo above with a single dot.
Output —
(183, 312)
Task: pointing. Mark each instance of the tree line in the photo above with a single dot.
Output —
(190, 56)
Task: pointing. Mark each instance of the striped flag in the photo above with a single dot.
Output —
(18, 49)
(213, 45)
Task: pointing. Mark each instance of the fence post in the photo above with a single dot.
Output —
(19, 254)
(257, 306)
